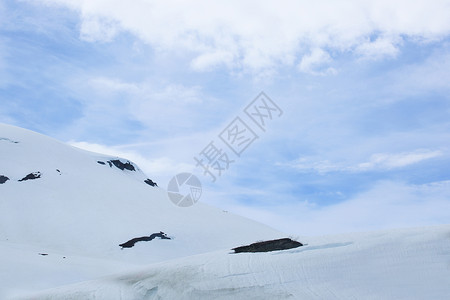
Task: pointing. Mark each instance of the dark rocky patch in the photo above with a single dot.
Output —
(131, 242)
(31, 176)
(8, 140)
(266, 246)
(100, 162)
(43, 254)
(150, 182)
(3, 179)
(120, 165)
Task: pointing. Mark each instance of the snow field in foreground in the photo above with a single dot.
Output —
(393, 264)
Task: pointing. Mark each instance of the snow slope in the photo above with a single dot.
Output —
(82, 210)
(394, 264)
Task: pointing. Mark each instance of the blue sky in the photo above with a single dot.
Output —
(363, 142)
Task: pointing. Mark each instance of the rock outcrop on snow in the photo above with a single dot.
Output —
(132, 242)
(119, 164)
(9, 140)
(3, 179)
(125, 166)
(266, 246)
(122, 166)
(150, 182)
(31, 176)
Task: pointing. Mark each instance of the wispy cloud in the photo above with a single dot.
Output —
(95, 29)
(381, 47)
(395, 160)
(376, 162)
(431, 75)
(161, 107)
(316, 63)
(388, 204)
(3, 72)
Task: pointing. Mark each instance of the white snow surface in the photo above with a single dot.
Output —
(79, 215)
(394, 264)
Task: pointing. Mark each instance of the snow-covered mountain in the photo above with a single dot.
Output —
(65, 211)
(55, 198)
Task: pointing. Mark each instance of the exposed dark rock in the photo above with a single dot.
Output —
(123, 166)
(3, 179)
(100, 162)
(131, 242)
(31, 176)
(150, 182)
(43, 254)
(266, 246)
(8, 140)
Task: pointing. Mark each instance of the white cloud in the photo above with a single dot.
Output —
(397, 160)
(385, 205)
(377, 161)
(258, 35)
(166, 93)
(208, 61)
(3, 65)
(151, 103)
(94, 29)
(316, 63)
(319, 166)
(108, 86)
(431, 75)
(379, 48)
